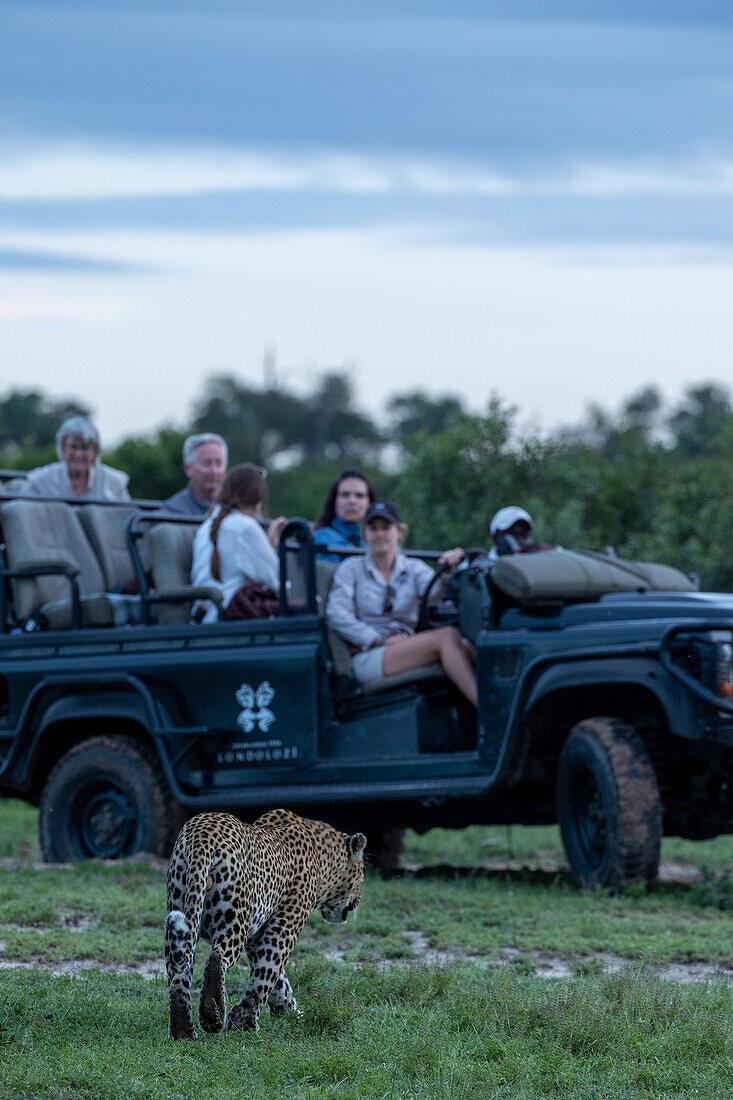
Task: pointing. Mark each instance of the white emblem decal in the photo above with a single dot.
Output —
(249, 698)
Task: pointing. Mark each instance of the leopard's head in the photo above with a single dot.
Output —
(343, 885)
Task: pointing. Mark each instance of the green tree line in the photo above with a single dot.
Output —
(655, 483)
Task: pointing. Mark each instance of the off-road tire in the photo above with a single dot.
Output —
(608, 805)
(106, 798)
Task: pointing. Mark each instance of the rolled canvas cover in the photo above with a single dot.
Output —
(657, 577)
(581, 575)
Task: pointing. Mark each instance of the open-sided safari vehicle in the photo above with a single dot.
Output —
(604, 698)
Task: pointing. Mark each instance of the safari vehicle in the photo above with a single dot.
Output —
(604, 698)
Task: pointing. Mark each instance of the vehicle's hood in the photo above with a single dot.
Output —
(625, 606)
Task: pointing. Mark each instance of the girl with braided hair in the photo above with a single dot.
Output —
(231, 550)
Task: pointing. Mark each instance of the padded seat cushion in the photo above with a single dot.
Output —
(104, 609)
(94, 611)
(171, 555)
(46, 532)
(106, 530)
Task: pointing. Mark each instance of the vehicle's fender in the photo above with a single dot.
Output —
(83, 705)
(130, 702)
(677, 705)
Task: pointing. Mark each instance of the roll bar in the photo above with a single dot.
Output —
(297, 537)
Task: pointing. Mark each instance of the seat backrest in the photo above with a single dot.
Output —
(170, 549)
(324, 578)
(295, 572)
(46, 532)
(106, 530)
(339, 649)
(171, 554)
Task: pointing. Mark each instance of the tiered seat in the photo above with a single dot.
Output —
(170, 547)
(171, 552)
(45, 541)
(106, 530)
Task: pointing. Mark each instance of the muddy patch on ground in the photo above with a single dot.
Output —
(547, 868)
(149, 968)
(542, 965)
(531, 963)
(77, 922)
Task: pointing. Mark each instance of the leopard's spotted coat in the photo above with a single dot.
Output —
(250, 888)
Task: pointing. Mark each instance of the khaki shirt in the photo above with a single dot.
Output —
(355, 607)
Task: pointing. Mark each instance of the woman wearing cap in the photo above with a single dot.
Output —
(511, 533)
(374, 604)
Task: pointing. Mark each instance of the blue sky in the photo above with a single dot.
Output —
(531, 197)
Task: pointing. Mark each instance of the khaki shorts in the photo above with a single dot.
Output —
(367, 666)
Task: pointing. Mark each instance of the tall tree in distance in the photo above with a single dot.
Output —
(411, 413)
(256, 423)
(155, 463)
(261, 424)
(29, 420)
(617, 436)
(335, 429)
(699, 422)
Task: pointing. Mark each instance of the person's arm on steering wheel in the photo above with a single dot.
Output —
(452, 558)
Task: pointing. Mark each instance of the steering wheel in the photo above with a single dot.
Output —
(424, 620)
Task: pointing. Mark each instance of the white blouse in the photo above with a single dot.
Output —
(246, 555)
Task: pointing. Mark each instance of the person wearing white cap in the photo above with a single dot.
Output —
(511, 533)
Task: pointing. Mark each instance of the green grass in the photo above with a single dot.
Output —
(468, 1028)
(410, 1031)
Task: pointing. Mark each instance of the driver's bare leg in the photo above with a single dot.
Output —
(444, 645)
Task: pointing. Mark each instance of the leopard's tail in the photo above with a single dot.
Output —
(182, 926)
(177, 940)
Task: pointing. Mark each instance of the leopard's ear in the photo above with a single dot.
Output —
(356, 845)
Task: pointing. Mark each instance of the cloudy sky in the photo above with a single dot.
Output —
(528, 196)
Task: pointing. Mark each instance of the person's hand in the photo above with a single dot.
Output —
(452, 558)
(275, 528)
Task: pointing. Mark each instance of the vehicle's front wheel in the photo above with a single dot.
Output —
(608, 805)
(105, 799)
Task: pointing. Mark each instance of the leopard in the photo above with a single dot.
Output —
(250, 887)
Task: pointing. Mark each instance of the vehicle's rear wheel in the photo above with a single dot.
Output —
(608, 805)
(105, 799)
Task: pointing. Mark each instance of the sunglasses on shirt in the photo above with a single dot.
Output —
(389, 598)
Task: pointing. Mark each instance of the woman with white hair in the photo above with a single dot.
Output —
(79, 471)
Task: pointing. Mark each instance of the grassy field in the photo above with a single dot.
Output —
(434, 991)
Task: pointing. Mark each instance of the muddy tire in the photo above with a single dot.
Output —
(106, 799)
(384, 851)
(608, 805)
